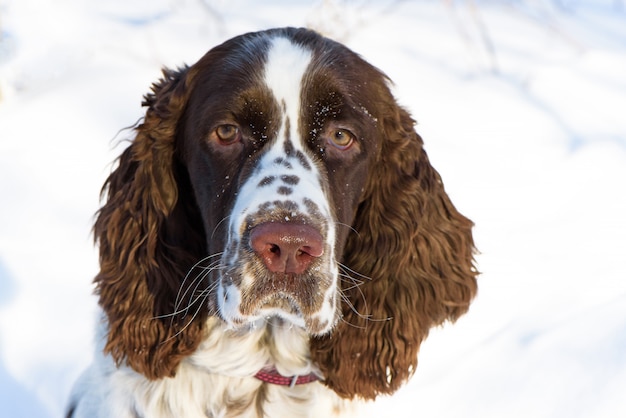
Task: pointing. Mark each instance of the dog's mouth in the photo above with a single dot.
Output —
(282, 302)
(279, 305)
(287, 309)
(307, 301)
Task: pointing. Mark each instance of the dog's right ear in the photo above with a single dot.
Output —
(143, 255)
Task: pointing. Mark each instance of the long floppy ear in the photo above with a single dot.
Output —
(147, 244)
(416, 251)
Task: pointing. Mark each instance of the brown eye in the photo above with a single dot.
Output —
(341, 138)
(227, 134)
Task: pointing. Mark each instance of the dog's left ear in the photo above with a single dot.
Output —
(416, 250)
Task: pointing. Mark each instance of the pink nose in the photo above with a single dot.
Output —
(286, 248)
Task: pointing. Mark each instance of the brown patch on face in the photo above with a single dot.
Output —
(290, 179)
(304, 162)
(266, 181)
(288, 145)
(284, 191)
(282, 162)
(317, 326)
(312, 208)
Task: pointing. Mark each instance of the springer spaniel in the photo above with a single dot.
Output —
(274, 242)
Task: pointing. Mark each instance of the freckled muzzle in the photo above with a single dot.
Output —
(280, 255)
(283, 265)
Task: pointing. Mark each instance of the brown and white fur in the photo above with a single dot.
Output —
(275, 211)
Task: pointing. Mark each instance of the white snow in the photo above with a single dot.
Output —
(522, 106)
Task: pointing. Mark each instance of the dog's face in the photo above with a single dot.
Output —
(283, 163)
(277, 143)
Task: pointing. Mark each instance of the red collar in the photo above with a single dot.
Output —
(271, 375)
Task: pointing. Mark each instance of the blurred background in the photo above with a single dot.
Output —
(522, 106)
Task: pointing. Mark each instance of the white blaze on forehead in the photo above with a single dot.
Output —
(284, 70)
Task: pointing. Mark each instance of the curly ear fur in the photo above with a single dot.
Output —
(417, 251)
(143, 254)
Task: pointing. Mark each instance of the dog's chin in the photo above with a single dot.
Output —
(290, 310)
(276, 309)
(281, 306)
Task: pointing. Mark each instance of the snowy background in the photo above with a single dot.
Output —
(522, 105)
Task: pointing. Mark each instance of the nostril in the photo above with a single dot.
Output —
(275, 249)
(288, 248)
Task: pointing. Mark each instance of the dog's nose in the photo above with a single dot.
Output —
(286, 248)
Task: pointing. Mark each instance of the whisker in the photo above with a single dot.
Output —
(198, 282)
(218, 224)
(200, 296)
(186, 325)
(352, 325)
(206, 270)
(179, 297)
(203, 294)
(352, 307)
(351, 287)
(356, 283)
(349, 270)
(353, 283)
(345, 276)
(348, 226)
(360, 315)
